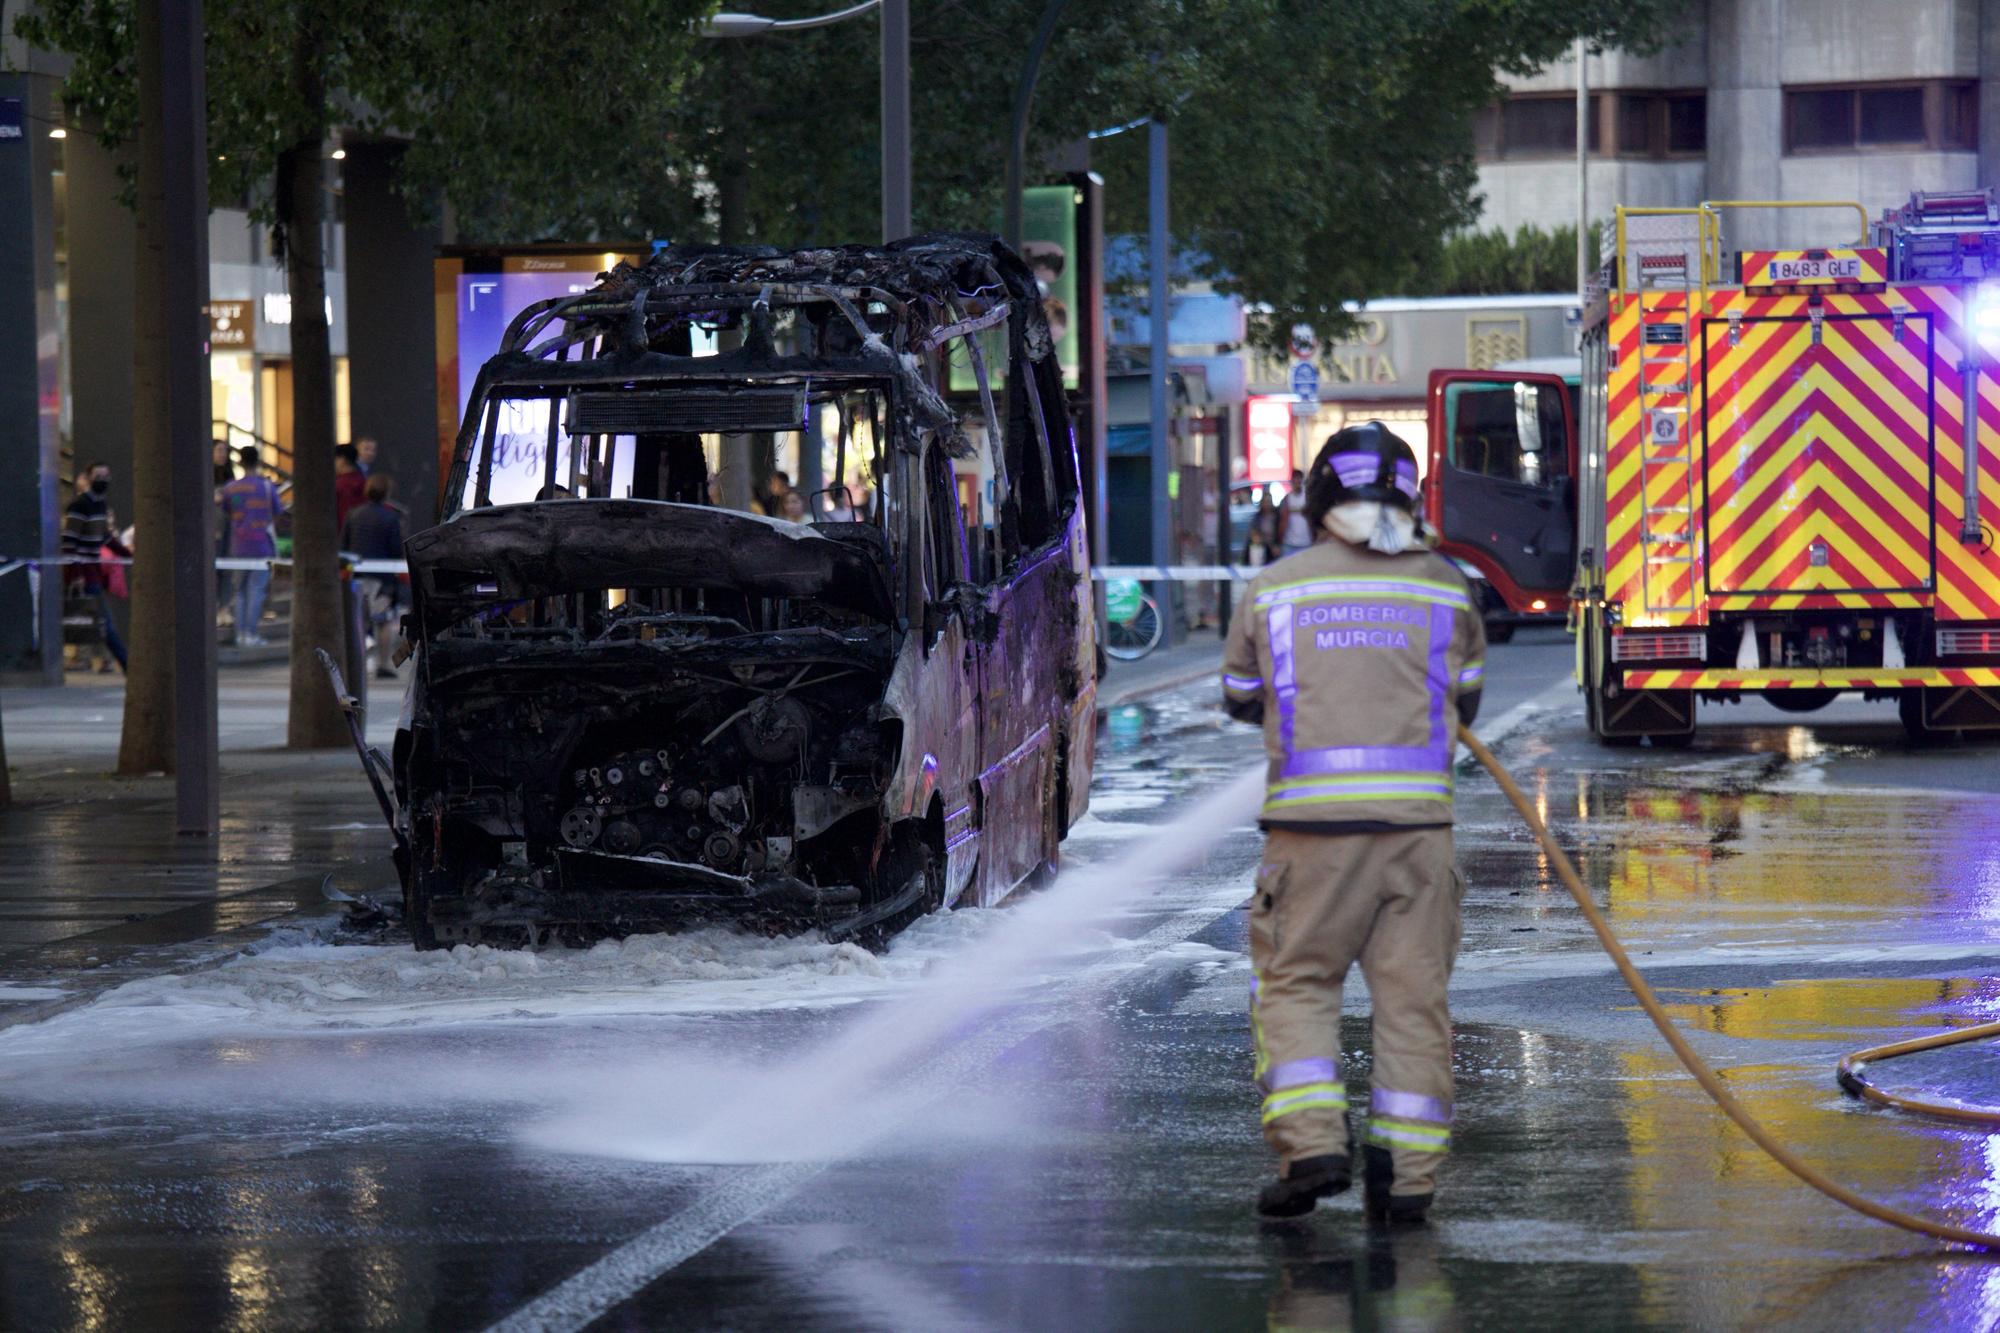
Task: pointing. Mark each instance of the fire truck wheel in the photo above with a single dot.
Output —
(1593, 712)
(1800, 701)
(1910, 706)
(1593, 695)
(1499, 631)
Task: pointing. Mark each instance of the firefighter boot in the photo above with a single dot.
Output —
(1378, 1173)
(1303, 1183)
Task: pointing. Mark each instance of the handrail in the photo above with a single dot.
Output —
(278, 453)
(1708, 230)
(1859, 211)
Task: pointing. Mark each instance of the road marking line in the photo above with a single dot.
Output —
(1511, 721)
(743, 1194)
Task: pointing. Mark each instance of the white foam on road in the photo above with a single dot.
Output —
(882, 1073)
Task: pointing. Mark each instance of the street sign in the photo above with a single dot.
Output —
(1305, 381)
(1305, 343)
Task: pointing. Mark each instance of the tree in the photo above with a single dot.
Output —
(1492, 263)
(543, 113)
(1321, 149)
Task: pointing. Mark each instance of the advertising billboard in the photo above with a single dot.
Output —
(478, 292)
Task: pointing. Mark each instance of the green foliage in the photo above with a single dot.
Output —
(529, 117)
(1321, 149)
(1492, 263)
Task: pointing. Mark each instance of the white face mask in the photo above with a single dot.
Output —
(1372, 524)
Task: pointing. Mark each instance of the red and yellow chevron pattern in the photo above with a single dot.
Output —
(1814, 268)
(1818, 455)
(1872, 678)
(1829, 472)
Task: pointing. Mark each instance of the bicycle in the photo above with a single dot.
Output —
(1133, 626)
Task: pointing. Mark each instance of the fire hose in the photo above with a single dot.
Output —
(1711, 1082)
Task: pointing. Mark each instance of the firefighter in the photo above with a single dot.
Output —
(1356, 655)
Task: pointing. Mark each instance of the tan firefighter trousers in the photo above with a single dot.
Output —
(1389, 901)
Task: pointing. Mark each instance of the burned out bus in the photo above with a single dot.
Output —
(636, 706)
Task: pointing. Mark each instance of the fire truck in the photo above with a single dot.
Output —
(1499, 493)
(1782, 492)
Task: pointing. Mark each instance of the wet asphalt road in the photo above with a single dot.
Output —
(695, 1136)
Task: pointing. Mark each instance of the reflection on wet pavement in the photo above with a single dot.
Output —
(371, 1170)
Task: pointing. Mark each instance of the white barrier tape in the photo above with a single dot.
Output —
(1177, 573)
(12, 563)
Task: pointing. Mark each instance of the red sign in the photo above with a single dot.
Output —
(1267, 438)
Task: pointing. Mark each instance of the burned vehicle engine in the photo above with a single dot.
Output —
(638, 706)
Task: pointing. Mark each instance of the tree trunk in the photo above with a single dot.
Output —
(146, 743)
(317, 611)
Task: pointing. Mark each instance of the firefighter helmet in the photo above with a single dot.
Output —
(1364, 462)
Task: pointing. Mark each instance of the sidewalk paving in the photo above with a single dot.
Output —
(97, 888)
(92, 874)
(1199, 655)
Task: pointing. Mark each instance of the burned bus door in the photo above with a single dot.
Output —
(1502, 484)
(1023, 651)
(949, 714)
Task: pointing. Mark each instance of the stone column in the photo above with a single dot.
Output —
(30, 387)
(1746, 115)
(391, 326)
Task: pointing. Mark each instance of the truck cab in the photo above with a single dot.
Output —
(1500, 489)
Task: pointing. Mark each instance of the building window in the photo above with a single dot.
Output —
(1935, 115)
(1687, 124)
(1662, 124)
(1533, 125)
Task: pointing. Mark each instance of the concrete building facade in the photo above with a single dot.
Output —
(1760, 99)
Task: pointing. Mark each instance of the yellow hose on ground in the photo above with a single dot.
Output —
(1852, 1080)
(1710, 1082)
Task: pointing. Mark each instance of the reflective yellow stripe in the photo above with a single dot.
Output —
(1357, 780)
(1413, 1135)
(1305, 1097)
(1331, 798)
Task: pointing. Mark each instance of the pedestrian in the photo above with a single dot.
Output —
(364, 455)
(374, 531)
(792, 508)
(252, 503)
(88, 540)
(776, 488)
(1294, 532)
(223, 466)
(350, 484)
(1357, 656)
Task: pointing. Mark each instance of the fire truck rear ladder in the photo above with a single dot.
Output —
(1667, 532)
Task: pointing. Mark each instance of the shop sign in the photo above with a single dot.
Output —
(231, 327)
(278, 309)
(12, 124)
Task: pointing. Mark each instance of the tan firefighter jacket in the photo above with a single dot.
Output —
(1357, 663)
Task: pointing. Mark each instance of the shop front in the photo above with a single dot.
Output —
(1380, 370)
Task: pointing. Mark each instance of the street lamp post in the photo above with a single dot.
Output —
(1017, 128)
(896, 222)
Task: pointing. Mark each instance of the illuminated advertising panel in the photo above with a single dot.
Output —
(1267, 437)
(478, 293)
